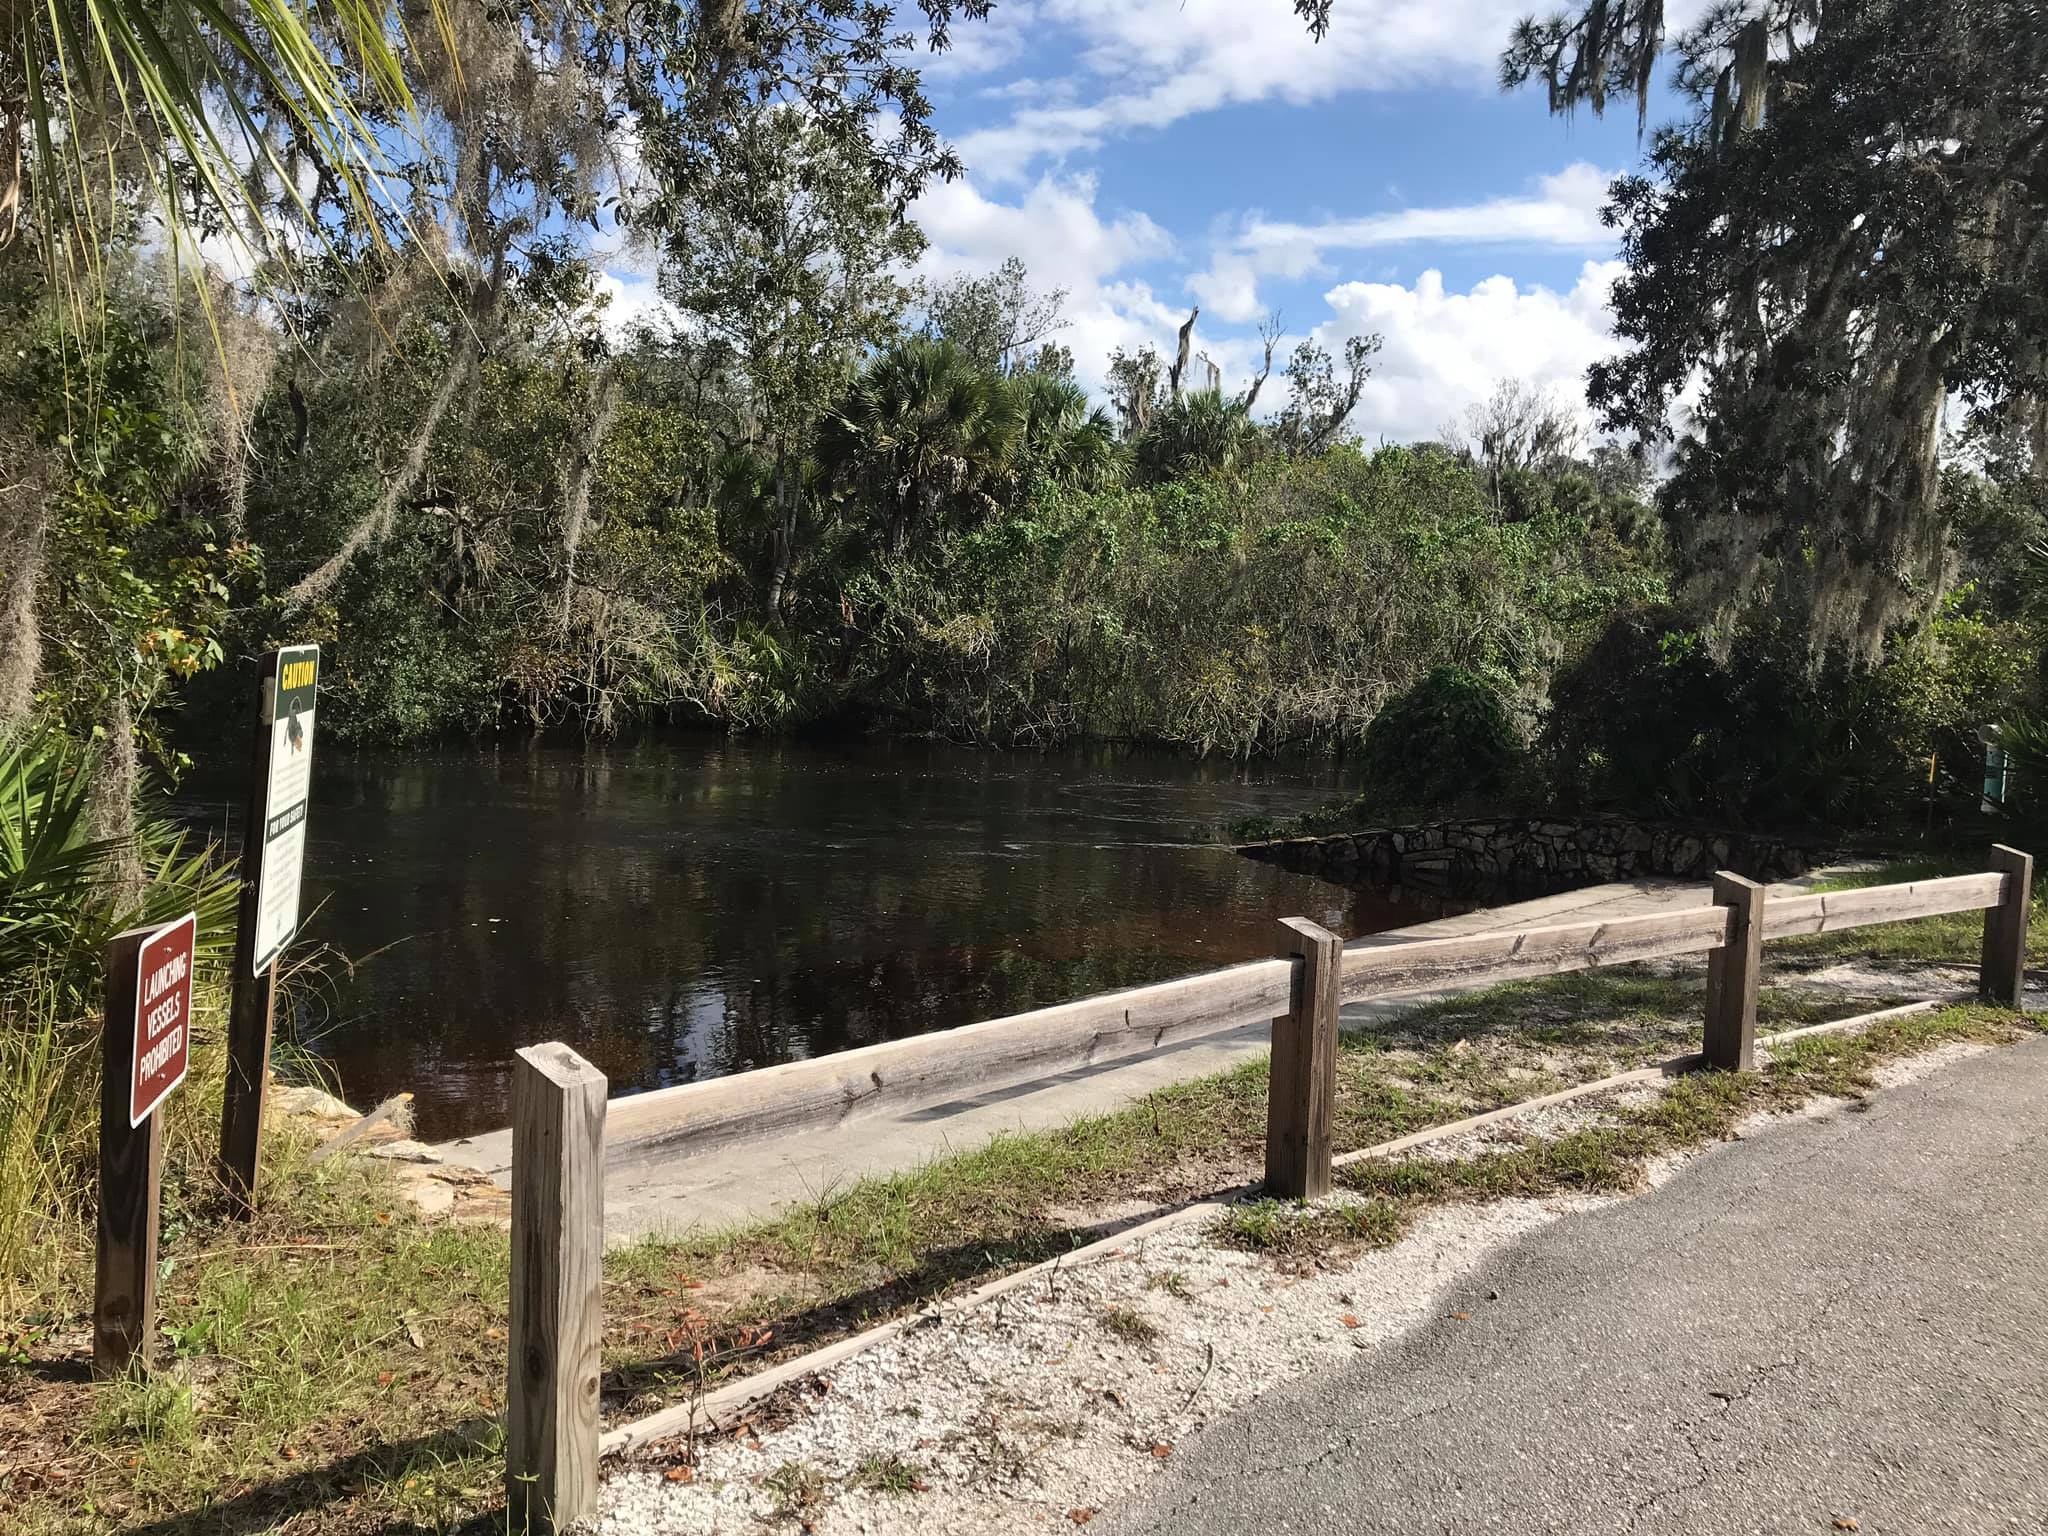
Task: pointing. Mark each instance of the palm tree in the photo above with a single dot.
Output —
(1197, 433)
(224, 112)
(925, 433)
(1064, 440)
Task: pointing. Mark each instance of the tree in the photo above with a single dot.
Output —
(1318, 403)
(1196, 433)
(206, 115)
(211, 112)
(789, 254)
(1064, 442)
(995, 319)
(1518, 430)
(1847, 235)
(927, 436)
(1446, 739)
(131, 572)
(539, 121)
(1135, 388)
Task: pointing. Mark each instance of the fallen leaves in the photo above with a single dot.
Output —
(1081, 1516)
(1161, 1450)
(681, 1474)
(1348, 1320)
(1461, 1317)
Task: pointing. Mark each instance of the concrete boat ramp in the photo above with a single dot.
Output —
(672, 1193)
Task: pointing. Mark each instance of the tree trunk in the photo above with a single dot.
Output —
(110, 809)
(785, 537)
(900, 520)
(1180, 357)
(24, 526)
(604, 400)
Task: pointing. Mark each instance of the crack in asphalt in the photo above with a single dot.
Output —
(1689, 1430)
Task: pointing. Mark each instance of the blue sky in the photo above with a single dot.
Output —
(1146, 155)
(1151, 154)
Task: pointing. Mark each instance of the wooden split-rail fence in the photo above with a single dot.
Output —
(563, 1125)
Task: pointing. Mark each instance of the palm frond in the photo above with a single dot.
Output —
(59, 900)
(192, 103)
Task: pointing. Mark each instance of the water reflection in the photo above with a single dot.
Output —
(684, 907)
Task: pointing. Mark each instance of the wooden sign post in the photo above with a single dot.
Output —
(273, 855)
(147, 1047)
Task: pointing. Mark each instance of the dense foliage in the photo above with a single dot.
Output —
(821, 495)
(1846, 237)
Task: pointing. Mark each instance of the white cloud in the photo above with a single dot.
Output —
(1562, 212)
(632, 299)
(1054, 227)
(1565, 211)
(1229, 289)
(1064, 242)
(1445, 351)
(973, 47)
(1149, 63)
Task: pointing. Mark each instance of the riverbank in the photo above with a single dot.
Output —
(340, 1363)
(688, 906)
(699, 1191)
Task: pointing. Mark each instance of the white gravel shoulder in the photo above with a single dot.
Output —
(1034, 1411)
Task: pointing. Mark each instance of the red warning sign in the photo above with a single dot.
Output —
(163, 1016)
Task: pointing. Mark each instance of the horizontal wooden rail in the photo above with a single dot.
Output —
(927, 1069)
(1832, 911)
(1508, 954)
(900, 1075)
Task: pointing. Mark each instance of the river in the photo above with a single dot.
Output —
(684, 906)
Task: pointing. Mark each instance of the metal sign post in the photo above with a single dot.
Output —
(146, 1049)
(273, 855)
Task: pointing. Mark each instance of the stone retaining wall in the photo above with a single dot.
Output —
(1520, 856)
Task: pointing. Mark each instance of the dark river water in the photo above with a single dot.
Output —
(685, 906)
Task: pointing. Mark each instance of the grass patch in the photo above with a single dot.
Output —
(338, 1366)
(1130, 1325)
(1953, 938)
(887, 1474)
(1292, 1229)
(1695, 1110)
(1172, 1281)
(798, 1487)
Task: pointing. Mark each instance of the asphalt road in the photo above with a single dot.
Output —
(1835, 1320)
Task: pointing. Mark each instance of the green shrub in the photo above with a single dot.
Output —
(59, 905)
(1448, 738)
(1652, 720)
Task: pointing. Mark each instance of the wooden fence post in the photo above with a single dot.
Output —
(1301, 1092)
(554, 1370)
(1732, 975)
(131, 1173)
(2005, 928)
(252, 998)
(252, 1009)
